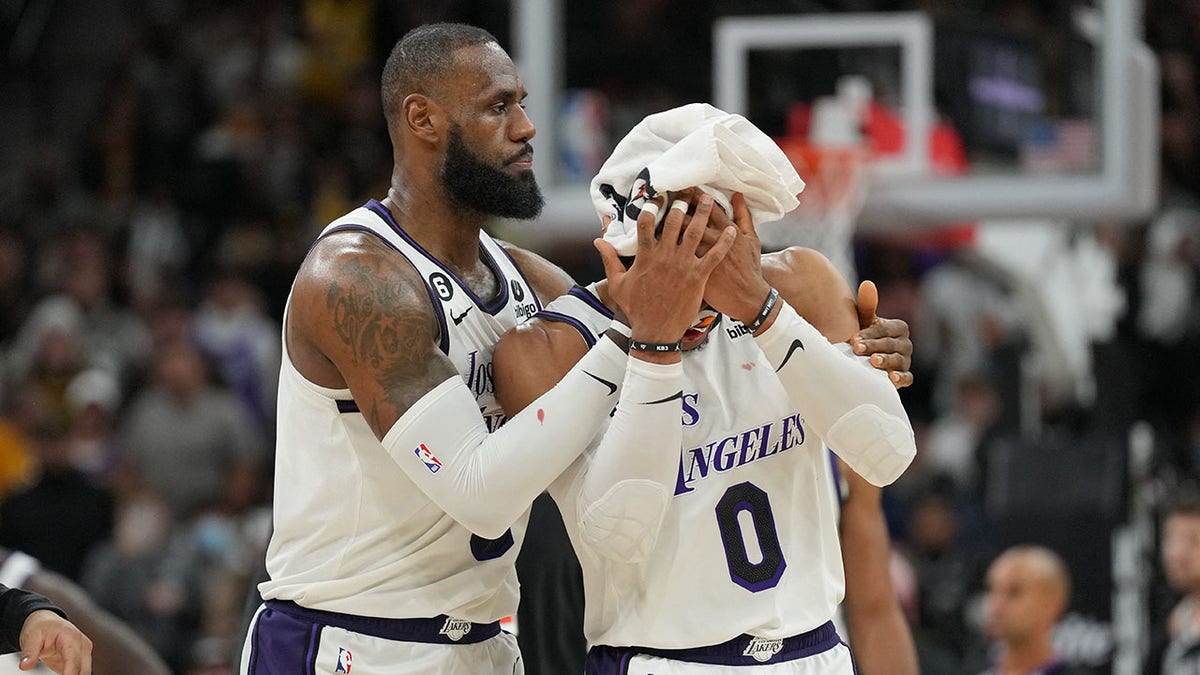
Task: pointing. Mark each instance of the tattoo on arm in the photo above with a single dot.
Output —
(378, 316)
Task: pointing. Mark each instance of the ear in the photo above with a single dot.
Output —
(423, 117)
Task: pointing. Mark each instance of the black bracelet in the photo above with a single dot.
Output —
(757, 323)
(658, 347)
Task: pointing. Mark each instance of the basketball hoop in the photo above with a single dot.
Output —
(836, 182)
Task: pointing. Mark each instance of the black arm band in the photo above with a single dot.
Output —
(757, 323)
(659, 347)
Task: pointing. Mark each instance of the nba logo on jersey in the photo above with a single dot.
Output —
(455, 629)
(762, 649)
(432, 463)
(345, 661)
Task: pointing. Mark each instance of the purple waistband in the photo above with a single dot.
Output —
(748, 650)
(440, 629)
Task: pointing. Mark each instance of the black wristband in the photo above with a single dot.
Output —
(757, 323)
(658, 347)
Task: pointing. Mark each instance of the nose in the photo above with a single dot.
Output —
(522, 129)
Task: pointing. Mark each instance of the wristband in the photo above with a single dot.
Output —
(758, 321)
(657, 347)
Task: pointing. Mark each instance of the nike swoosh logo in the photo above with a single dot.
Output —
(796, 344)
(459, 319)
(677, 395)
(612, 388)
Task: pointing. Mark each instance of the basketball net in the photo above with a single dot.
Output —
(834, 161)
(836, 181)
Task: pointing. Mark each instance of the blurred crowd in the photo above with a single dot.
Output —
(168, 164)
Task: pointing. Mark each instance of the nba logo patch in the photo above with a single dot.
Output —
(432, 463)
(345, 661)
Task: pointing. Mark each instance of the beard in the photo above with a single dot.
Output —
(477, 185)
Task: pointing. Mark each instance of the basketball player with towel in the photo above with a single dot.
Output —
(706, 527)
(400, 501)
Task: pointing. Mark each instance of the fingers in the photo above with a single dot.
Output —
(881, 329)
(717, 253)
(711, 236)
(741, 214)
(868, 302)
(900, 348)
(613, 268)
(647, 222)
(694, 233)
(673, 221)
(901, 379)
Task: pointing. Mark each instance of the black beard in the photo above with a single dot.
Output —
(476, 185)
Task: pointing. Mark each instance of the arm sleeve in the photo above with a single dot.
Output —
(486, 481)
(852, 406)
(15, 606)
(626, 487)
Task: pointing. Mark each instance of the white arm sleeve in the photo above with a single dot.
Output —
(627, 484)
(852, 406)
(486, 481)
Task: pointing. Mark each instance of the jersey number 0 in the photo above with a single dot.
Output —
(753, 576)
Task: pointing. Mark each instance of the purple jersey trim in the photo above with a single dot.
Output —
(536, 300)
(403, 630)
(606, 660)
(571, 321)
(587, 296)
(443, 331)
(490, 307)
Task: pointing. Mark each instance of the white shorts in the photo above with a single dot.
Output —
(286, 639)
(817, 652)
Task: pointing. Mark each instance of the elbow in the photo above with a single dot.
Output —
(879, 446)
(623, 526)
(489, 523)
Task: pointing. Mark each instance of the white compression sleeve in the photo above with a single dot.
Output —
(852, 406)
(486, 481)
(627, 485)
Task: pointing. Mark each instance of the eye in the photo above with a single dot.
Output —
(500, 108)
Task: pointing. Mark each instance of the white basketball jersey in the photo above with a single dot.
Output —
(749, 543)
(352, 533)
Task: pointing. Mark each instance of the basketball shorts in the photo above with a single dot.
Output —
(818, 652)
(287, 639)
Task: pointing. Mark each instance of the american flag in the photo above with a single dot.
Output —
(1063, 146)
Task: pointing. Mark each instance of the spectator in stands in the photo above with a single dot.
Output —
(189, 440)
(1029, 588)
(1177, 648)
(82, 511)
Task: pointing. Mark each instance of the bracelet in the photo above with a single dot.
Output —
(758, 321)
(657, 347)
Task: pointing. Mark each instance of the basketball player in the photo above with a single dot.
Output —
(33, 625)
(551, 611)
(712, 544)
(400, 501)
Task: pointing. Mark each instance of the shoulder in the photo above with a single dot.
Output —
(353, 292)
(357, 271)
(811, 284)
(548, 280)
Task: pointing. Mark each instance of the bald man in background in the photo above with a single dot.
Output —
(1028, 590)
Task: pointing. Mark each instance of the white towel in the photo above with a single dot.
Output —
(695, 145)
